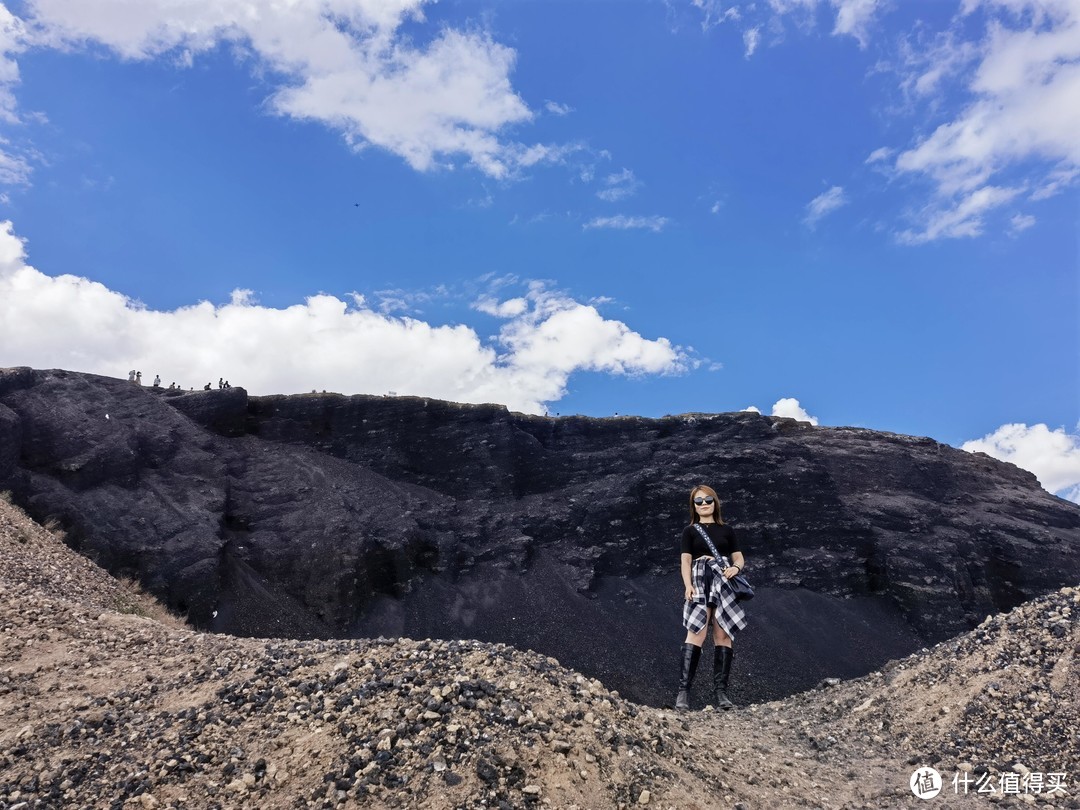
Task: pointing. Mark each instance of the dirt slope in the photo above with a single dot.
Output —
(103, 706)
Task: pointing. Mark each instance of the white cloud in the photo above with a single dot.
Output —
(788, 407)
(624, 223)
(878, 155)
(615, 193)
(557, 336)
(1020, 223)
(751, 39)
(1052, 455)
(510, 308)
(15, 168)
(12, 36)
(1014, 65)
(619, 186)
(966, 218)
(555, 108)
(715, 12)
(341, 63)
(410, 302)
(928, 67)
(791, 408)
(519, 219)
(824, 203)
(1023, 110)
(325, 343)
(854, 18)
(1055, 182)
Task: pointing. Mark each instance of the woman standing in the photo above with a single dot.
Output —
(709, 598)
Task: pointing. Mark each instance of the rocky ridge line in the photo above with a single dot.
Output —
(326, 516)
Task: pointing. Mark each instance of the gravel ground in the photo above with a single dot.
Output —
(107, 702)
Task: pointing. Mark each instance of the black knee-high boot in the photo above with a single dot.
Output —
(721, 669)
(690, 655)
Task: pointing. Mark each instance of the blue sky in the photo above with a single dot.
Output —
(858, 211)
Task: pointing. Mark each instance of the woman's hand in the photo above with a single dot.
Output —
(731, 571)
(689, 593)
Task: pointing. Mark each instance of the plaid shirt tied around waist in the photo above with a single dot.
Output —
(729, 614)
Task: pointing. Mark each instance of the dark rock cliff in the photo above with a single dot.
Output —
(326, 515)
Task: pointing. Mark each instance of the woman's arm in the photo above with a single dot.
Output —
(736, 566)
(688, 585)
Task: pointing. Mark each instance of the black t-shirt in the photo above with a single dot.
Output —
(723, 537)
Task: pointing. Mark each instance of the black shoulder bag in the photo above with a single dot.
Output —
(743, 590)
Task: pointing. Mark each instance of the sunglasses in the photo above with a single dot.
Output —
(698, 501)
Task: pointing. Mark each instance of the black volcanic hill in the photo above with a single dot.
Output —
(333, 516)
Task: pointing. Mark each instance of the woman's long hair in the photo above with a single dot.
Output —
(704, 490)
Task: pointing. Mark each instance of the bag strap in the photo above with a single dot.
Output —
(705, 534)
